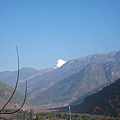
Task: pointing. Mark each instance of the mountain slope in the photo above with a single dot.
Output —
(95, 58)
(78, 84)
(5, 94)
(97, 99)
(74, 86)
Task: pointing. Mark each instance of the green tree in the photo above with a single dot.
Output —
(31, 114)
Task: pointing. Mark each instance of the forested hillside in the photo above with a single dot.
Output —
(102, 99)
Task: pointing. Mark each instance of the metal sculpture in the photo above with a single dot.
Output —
(2, 109)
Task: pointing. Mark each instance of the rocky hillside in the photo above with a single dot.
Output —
(5, 94)
(79, 84)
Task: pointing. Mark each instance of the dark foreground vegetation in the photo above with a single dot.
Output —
(30, 115)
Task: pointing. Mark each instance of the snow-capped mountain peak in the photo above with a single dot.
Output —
(59, 63)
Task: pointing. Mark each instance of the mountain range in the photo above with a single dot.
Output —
(69, 83)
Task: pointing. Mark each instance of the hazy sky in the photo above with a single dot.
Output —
(47, 30)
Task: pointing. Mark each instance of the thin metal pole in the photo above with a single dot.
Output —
(69, 114)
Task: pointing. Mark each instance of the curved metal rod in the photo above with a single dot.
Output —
(15, 85)
(20, 106)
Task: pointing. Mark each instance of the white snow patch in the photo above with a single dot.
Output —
(60, 63)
